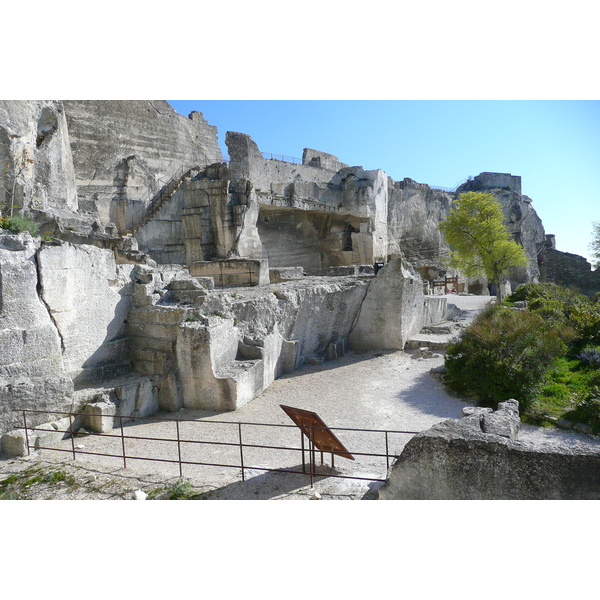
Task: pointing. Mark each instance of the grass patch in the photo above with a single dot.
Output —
(179, 490)
(18, 486)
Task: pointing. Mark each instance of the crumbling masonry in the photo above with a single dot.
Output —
(165, 277)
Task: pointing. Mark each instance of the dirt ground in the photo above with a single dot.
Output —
(391, 391)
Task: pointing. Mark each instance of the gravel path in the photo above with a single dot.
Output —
(375, 390)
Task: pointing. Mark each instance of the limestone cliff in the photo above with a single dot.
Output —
(115, 184)
(124, 149)
(35, 149)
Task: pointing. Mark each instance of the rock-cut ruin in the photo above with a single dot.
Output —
(165, 277)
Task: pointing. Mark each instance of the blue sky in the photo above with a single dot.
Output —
(553, 145)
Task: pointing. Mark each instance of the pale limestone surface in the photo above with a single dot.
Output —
(87, 295)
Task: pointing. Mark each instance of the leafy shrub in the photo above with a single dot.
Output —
(18, 224)
(532, 291)
(562, 305)
(586, 320)
(504, 354)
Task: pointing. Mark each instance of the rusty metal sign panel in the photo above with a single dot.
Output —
(316, 431)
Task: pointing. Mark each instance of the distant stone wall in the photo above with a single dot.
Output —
(569, 270)
(487, 181)
(316, 158)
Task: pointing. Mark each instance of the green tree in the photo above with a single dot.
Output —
(595, 245)
(479, 241)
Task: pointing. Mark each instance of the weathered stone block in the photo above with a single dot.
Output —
(47, 436)
(100, 416)
(14, 443)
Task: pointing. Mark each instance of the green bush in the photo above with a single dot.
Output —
(586, 320)
(559, 305)
(504, 354)
(16, 224)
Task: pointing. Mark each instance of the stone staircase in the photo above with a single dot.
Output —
(157, 201)
(461, 313)
(435, 337)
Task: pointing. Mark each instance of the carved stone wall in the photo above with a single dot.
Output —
(104, 133)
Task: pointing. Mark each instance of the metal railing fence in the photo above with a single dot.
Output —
(179, 441)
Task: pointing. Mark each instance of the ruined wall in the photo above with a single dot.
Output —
(487, 181)
(227, 347)
(313, 217)
(568, 269)
(220, 349)
(122, 148)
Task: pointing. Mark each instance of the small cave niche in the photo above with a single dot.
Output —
(347, 238)
(248, 352)
(47, 125)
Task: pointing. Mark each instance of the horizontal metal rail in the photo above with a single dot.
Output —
(179, 440)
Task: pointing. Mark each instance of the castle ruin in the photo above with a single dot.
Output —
(165, 277)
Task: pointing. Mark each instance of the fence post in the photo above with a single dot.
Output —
(241, 450)
(311, 453)
(26, 434)
(123, 442)
(179, 448)
(387, 453)
(72, 435)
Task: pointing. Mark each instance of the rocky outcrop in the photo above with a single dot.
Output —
(63, 309)
(124, 149)
(32, 371)
(88, 297)
(392, 311)
(34, 145)
(479, 458)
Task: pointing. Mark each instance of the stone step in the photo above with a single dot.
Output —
(442, 328)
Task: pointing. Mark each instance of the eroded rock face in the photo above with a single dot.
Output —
(63, 309)
(88, 296)
(122, 149)
(392, 310)
(34, 141)
(32, 371)
(479, 458)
